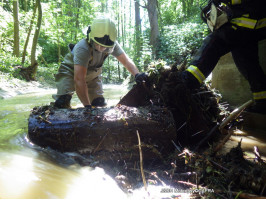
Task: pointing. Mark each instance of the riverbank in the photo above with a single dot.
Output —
(10, 87)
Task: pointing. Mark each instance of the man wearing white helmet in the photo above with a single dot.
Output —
(82, 66)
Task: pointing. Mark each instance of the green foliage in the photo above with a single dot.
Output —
(46, 73)
(6, 31)
(50, 48)
(64, 22)
(180, 42)
(8, 63)
(155, 69)
(171, 11)
(110, 71)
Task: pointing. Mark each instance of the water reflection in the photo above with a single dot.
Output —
(249, 139)
(26, 176)
(30, 172)
(95, 184)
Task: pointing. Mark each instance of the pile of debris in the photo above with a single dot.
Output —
(195, 112)
(148, 136)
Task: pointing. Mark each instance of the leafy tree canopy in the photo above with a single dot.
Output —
(66, 21)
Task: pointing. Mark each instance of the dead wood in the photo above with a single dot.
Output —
(230, 169)
(224, 140)
(103, 130)
(141, 162)
(257, 156)
(213, 130)
(168, 117)
(235, 114)
(138, 96)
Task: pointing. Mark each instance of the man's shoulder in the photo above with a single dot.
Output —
(82, 44)
(118, 50)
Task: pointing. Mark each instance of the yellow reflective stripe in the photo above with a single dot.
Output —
(261, 23)
(234, 2)
(249, 23)
(259, 95)
(234, 27)
(223, 4)
(196, 72)
(244, 22)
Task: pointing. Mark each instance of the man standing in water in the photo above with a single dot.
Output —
(82, 66)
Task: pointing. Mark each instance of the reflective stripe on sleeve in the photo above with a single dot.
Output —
(234, 2)
(196, 72)
(259, 95)
(244, 22)
(249, 23)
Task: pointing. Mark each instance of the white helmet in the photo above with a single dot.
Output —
(103, 32)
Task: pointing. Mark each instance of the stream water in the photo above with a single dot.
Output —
(28, 171)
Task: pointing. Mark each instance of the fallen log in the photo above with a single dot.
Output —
(166, 114)
(103, 129)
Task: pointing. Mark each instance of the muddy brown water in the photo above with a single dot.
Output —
(249, 138)
(28, 171)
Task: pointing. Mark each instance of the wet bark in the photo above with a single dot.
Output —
(103, 129)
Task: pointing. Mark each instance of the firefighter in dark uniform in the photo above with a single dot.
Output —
(239, 33)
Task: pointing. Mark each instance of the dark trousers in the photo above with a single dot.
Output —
(243, 44)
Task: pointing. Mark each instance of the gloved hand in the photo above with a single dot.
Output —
(88, 107)
(140, 77)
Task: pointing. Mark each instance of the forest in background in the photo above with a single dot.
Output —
(34, 34)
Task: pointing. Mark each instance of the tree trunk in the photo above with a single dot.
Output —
(109, 70)
(118, 71)
(58, 35)
(103, 6)
(102, 130)
(59, 15)
(153, 18)
(16, 28)
(186, 7)
(23, 4)
(78, 5)
(32, 69)
(137, 33)
(28, 36)
(26, 5)
(118, 35)
(123, 33)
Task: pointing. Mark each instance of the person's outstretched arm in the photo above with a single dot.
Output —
(80, 73)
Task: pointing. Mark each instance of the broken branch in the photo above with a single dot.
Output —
(141, 163)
